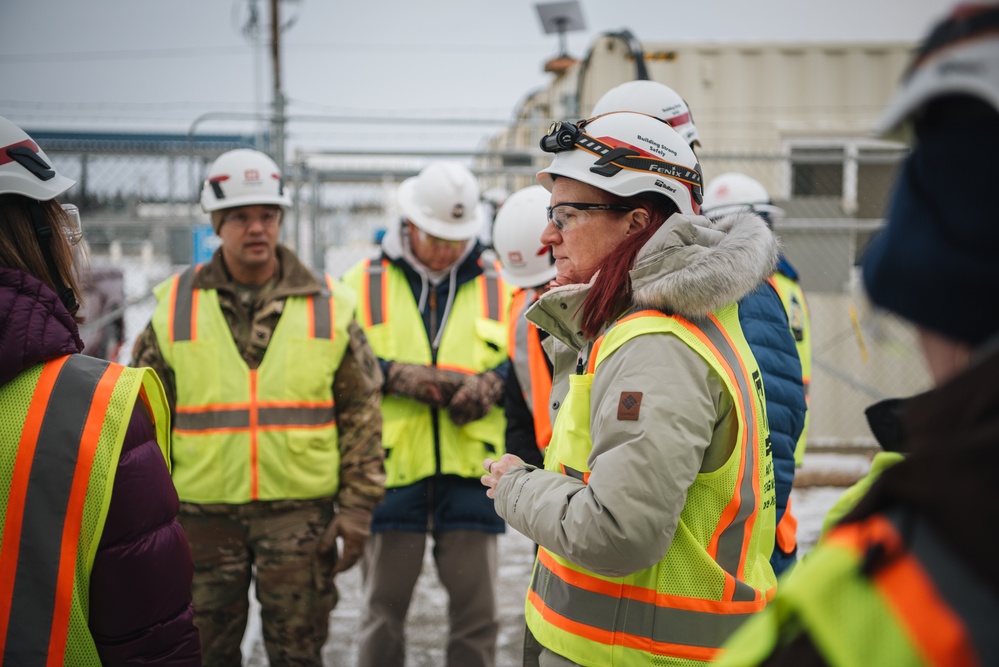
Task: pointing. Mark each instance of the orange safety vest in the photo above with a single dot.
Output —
(528, 361)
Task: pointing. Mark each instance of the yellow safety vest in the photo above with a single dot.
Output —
(886, 590)
(716, 572)
(244, 434)
(474, 341)
(62, 429)
(793, 298)
(528, 361)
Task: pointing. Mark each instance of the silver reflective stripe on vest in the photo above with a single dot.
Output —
(493, 299)
(291, 417)
(45, 506)
(183, 305)
(962, 590)
(239, 418)
(376, 276)
(522, 356)
(731, 539)
(322, 311)
(633, 617)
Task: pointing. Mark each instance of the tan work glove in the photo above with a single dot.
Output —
(427, 384)
(353, 525)
(476, 395)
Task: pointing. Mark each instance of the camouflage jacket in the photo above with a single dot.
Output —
(356, 385)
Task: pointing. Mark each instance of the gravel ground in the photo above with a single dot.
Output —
(426, 627)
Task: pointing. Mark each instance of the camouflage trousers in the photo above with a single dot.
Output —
(275, 542)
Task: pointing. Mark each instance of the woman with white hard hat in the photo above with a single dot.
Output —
(654, 510)
(94, 567)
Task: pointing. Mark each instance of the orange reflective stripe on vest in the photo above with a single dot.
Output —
(676, 622)
(787, 531)
(941, 624)
(374, 293)
(492, 287)
(252, 415)
(730, 542)
(529, 364)
(35, 605)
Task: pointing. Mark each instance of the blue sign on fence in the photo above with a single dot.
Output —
(205, 243)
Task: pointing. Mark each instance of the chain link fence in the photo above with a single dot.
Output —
(139, 212)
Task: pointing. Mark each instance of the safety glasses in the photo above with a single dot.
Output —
(72, 227)
(567, 215)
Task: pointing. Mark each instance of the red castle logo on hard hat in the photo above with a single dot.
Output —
(252, 175)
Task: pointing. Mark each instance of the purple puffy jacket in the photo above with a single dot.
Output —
(140, 586)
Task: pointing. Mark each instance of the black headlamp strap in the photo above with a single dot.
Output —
(567, 135)
(613, 160)
(44, 232)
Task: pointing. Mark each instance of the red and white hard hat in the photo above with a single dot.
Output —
(24, 167)
(652, 98)
(243, 177)
(443, 201)
(734, 192)
(625, 153)
(526, 261)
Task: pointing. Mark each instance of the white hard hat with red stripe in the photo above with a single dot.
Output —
(626, 154)
(652, 98)
(243, 177)
(24, 167)
(526, 261)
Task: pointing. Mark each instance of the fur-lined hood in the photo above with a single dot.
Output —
(689, 267)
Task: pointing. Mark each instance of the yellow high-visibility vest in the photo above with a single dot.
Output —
(474, 341)
(244, 434)
(61, 435)
(716, 572)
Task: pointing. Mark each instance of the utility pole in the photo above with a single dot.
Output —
(278, 119)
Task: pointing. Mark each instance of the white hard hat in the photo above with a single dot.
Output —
(626, 154)
(652, 98)
(960, 57)
(243, 177)
(733, 192)
(443, 201)
(526, 261)
(24, 167)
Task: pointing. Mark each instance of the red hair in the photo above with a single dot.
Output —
(611, 291)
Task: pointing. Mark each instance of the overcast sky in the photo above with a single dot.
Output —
(160, 66)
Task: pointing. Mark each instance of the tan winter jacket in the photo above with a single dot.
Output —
(623, 520)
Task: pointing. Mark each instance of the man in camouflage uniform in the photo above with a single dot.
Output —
(275, 394)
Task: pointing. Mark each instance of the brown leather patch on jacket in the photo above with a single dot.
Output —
(629, 405)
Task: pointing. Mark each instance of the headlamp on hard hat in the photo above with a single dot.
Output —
(567, 135)
(562, 136)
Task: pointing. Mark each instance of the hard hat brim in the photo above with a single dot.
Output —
(449, 231)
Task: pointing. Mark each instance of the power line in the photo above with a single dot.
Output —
(241, 50)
